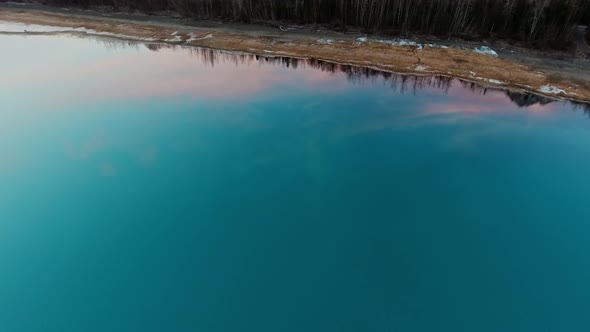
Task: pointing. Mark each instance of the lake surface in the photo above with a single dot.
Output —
(146, 188)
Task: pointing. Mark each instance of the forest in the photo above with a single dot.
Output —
(539, 23)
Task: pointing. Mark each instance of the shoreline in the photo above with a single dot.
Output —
(514, 69)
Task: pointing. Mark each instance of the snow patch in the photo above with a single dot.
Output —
(177, 38)
(551, 89)
(436, 46)
(421, 68)
(485, 50)
(491, 80)
(400, 42)
(194, 37)
(116, 35)
(397, 42)
(325, 41)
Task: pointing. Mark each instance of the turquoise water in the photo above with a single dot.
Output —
(178, 190)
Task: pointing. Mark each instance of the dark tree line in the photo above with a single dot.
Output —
(540, 22)
(585, 15)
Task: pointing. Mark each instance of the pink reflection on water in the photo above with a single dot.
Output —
(468, 102)
(171, 73)
(80, 71)
(166, 74)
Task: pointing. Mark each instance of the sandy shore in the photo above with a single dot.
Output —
(517, 69)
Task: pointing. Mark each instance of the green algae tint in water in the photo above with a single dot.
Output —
(177, 190)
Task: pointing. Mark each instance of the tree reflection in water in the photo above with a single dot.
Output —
(403, 83)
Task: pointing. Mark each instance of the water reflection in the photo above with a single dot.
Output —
(177, 70)
(403, 83)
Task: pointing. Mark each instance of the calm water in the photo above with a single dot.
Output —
(177, 190)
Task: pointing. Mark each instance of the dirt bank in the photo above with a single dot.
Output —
(556, 75)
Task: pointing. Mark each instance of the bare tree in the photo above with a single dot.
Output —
(539, 22)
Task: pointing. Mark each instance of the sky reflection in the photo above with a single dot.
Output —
(77, 71)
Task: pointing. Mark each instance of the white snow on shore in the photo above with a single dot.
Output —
(485, 50)
(400, 42)
(176, 38)
(325, 41)
(436, 46)
(193, 37)
(491, 80)
(114, 35)
(550, 89)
